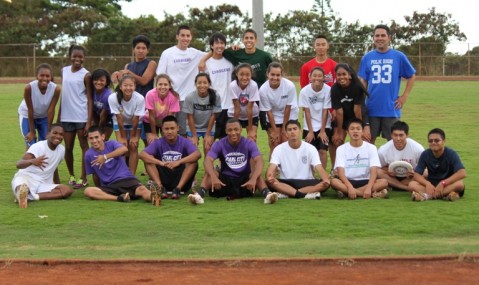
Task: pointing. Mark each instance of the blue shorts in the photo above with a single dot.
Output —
(128, 128)
(40, 125)
(199, 134)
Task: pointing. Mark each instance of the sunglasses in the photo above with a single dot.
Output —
(434, 140)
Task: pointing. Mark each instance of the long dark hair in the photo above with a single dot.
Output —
(211, 91)
(355, 82)
(98, 73)
(119, 92)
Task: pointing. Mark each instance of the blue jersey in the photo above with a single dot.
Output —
(383, 72)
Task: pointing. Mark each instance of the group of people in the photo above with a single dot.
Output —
(191, 95)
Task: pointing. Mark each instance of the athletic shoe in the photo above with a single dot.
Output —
(418, 197)
(383, 194)
(282, 196)
(340, 195)
(271, 198)
(22, 196)
(155, 193)
(176, 194)
(195, 199)
(71, 180)
(313, 195)
(80, 183)
(453, 196)
(124, 198)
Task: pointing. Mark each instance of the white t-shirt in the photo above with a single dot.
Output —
(357, 161)
(411, 153)
(74, 99)
(220, 71)
(40, 102)
(295, 163)
(182, 67)
(276, 100)
(244, 96)
(128, 109)
(316, 102)
(54, 157)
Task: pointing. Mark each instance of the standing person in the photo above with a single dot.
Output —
(357, 164)
(245, 98)
(37, 109)
(348, 99)
(321, 47)
(201, 107)
(171, 161)
(399, 148)
(220, 71)
(445, 171)
(127, 107)
(296, 160)
(278, 98)
(240, 173)
(315, 99)
(381, 71)
(142, 68)
(37, 177)
(160, 102)
(180, 62)
(101, 84)
(76, 110)
(113, 180)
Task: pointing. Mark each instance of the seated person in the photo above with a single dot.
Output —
(399, 148)
(446, 173)
(171, 161)
(37, 177)
(241, 168)
(296, 160)
(113, 179)
(357, 164)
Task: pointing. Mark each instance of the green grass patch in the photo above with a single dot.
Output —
(80, 228)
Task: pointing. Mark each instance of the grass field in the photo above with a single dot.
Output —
(80, 228)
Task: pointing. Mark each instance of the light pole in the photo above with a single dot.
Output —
(258, 22)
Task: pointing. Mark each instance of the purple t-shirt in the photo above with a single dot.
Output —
(100, 101)
(164, 151)
(114, 168)
(234, 158)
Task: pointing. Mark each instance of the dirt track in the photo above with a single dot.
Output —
(450, 270)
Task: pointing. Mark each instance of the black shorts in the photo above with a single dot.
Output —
(127, 185)
(147, 128)
(72, 126)
(244, 123)
(171, 177)
(317, 142)
(220, 128)
(232, 188)
(359, 183)
(268, 125)
(300, 183)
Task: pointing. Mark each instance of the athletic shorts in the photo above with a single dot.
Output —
(220, 128)
(72, 127)
(381, 125)
(244, 123)
(300, 183)
(233, 188)
(181, 117)
(199, 134)
(34, 185)
(317, 142)
(40, 125)
(358, 183)
(171, 177)
(127, 185)
(268, 126)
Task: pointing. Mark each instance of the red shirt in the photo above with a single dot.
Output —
(329, 73)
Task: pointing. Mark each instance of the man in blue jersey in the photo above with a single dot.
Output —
(381, 71)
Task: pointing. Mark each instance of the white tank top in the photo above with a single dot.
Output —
(40, 102)
(74, 99)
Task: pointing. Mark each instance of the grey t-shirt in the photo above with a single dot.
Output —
(201, 109)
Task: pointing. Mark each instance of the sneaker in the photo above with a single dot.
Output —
(71, 180)
(313, 195)
(383, 194)
(80, 183)
(282, 196)
(418, 197)
(22, 196)
(124, 198)
(340, 195)
(453, 196)
(271, 198)
(155, 193)
(195, 199)
(176, 194)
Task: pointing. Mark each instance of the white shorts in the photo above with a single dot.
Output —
(35, 186)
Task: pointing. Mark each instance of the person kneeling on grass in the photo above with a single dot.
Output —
(112, 178)
(357, 164)
(171, 161)
(236, 178)
(37, 177)
(445, 170)
(296, 161)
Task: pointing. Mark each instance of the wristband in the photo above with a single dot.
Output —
(104, 156)
(443, 183)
